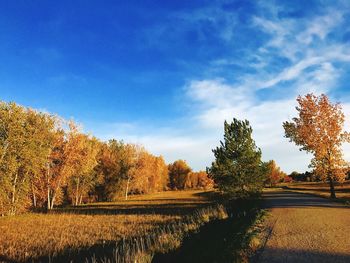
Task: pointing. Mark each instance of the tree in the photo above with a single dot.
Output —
(274, 174)
(319, 130)
(295, 175)
(204, 181)
(178, 172)
(150, 174)
(141, 172)
(83, 177)
(116, 163)
(198, 180)
(160, 180)
(62, 162)
(55, 176)
(237, 169)
(40, 129)
(14, 150)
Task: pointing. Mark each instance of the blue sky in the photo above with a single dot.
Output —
(166, 74)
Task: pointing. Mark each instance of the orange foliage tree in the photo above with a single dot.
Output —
(61, 163)
(178, 172)
(199, 180)
(129, 169)
(116, 162)
(150, 174)
(274, 174)
(319, 130)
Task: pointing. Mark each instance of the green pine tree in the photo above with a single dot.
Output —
(237, 169)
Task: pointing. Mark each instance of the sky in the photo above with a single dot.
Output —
(166, 74)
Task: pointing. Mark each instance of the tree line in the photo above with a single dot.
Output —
(47, 161)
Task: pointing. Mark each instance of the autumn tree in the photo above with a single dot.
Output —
(116, 163)
(128, 159)
(237, 169)
(40, 129)
(318, 129)
(274, 174)
(160, 180)
(198, 180)
(150, 174)
(178, 172)
(54, 172)
(84, 177)
(140, 172)
(62, 162)
(104, 169)
(14, 150)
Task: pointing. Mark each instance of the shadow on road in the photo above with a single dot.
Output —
(281, 199)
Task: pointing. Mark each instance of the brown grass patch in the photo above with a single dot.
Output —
(31, 236)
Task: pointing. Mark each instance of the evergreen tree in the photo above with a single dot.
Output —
(237, 169)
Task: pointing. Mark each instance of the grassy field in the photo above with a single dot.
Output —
(68, 233)
(322, 189)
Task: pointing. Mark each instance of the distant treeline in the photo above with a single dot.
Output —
(46, 161)
(310, 176)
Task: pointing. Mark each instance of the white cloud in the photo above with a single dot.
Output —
(321, 26)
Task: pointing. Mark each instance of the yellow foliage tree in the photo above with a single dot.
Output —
(319, 130)
(83, 177)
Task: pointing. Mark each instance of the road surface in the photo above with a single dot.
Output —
(305, 228)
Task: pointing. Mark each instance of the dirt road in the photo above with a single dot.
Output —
(305, 228)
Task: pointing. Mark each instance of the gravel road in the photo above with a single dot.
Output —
(305, 228)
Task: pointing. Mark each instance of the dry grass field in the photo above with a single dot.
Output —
(67, 230)
(322, 189)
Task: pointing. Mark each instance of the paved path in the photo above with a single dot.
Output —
(305, 228)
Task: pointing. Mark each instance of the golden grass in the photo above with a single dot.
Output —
(322, 189)
(30, 236)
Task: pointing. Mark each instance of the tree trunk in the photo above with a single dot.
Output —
(14, 189)
(331, 187)
(34, 196)
(77, 193)
(54, 193)
(127, 188)
(48, 186)
(48, 198)
(52, 201)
